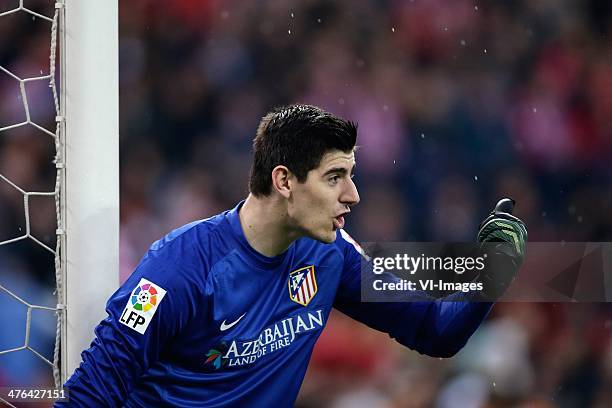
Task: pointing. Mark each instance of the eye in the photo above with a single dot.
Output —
(334, 180)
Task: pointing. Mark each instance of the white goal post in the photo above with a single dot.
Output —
(90, 203)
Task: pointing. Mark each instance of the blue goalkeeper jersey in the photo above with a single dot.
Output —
(207, 321)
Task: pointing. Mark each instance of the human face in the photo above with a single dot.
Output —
(317, 207)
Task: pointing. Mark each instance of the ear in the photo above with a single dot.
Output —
(281, 180)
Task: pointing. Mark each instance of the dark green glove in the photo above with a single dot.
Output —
(502, 226)
(507, 256)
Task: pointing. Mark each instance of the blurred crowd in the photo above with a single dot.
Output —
(458, 103)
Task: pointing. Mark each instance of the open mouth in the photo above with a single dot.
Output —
(339, 221)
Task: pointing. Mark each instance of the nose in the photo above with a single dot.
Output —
(350, 195)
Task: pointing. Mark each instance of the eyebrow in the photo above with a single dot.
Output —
(339, 170)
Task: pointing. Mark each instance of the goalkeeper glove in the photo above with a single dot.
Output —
(503, 227)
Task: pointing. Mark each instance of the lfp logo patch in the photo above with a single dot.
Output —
(142, 305)
(302, 285)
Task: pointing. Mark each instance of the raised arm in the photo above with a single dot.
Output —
(436, 327)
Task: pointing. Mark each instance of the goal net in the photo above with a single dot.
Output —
(58, 183)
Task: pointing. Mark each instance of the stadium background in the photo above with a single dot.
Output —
(458, 102)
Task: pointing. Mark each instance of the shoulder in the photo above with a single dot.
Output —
(194, 232)
(349, 246)
(190, 250)
(194, 239)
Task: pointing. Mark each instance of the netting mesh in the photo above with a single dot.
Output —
(54, 137)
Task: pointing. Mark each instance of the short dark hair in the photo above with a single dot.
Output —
(296, 136)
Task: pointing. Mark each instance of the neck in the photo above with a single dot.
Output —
(265, 225)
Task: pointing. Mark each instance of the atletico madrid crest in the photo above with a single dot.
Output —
(302, 285)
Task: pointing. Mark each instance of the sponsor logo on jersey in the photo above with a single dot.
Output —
(226, 326)
(236, 353)
(214, 357)
(142, 305)
(302, 285)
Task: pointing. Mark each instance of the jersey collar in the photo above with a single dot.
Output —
(234, 220)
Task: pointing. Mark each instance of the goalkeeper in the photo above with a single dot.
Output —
(225, 312)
